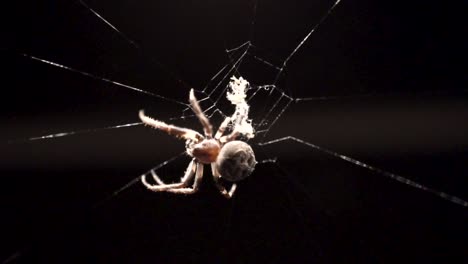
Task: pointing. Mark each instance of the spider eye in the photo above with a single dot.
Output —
(236, 161)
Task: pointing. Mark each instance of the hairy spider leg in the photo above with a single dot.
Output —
(179, 132)
(183, 179)
(196, 183)
(156, 178)
(222, 128)
(229, 137)
(207, 127)
(221, 188)
(192, 169)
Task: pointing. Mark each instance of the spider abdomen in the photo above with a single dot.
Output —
(236, 161)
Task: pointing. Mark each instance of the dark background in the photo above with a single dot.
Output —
(393, 72)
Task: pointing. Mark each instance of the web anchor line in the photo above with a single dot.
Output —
(87, 74)
(324, 17)
(109, 24)
(132, 43)
(393, 176)
(71, 133)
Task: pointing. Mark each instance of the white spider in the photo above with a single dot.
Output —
(230, 159)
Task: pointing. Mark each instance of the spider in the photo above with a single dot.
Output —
(230, 159)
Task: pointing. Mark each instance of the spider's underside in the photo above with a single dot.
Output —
(230, 159)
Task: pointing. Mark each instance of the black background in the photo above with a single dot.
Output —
(395, 76)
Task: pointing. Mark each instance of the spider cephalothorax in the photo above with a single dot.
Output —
(205, 151)
(230, 159)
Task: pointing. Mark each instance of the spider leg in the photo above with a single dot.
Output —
(172, 130)
(156, 178)
(227, 138)
(218, 184)
(207, 127)
(230, 137)
(222, 128)
(196, 183)
(189, 173)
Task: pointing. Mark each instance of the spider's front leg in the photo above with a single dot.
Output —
(219, 134)
(222, 128)
(207, 127)
(179, 132)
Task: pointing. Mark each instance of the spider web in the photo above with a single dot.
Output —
(266, 93)
(269, 95)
